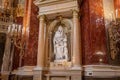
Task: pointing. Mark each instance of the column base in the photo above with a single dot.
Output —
(37, 68)
(38, 73)
(25, 70)
(76, 67)
(22, 73)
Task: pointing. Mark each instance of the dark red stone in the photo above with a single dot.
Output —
(93, 35)
(30, 58)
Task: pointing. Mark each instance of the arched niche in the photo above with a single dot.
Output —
(67, 28)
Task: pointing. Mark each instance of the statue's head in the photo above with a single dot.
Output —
(59, 32)
(60, 28)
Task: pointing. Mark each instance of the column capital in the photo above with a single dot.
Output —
(75, 13)
(41, 17)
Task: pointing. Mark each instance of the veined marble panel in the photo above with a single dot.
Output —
(93, 33)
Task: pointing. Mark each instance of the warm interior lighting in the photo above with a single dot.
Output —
(100, 56)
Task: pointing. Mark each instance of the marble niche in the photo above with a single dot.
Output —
(59, 44)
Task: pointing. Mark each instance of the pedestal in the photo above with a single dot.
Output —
(37, 73)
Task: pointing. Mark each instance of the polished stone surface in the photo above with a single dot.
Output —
(93, 33)
(32, 28)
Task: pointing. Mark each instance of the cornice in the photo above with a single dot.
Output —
(41, 3)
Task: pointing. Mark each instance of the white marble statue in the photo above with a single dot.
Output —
(60, 45)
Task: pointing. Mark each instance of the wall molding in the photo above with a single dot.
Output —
(25, 70)
(101, 70)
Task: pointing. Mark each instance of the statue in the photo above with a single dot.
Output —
(60, 45)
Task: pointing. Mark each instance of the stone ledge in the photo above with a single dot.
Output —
(101, 70)
(26, 70)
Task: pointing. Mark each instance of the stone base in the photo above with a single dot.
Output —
(101, 71)
(64, 75)
(58, 74)
(25, 70)
(94, 78)
(22, 73)
(20, 77)
(5, 75)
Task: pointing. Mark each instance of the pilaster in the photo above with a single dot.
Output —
(76, 40)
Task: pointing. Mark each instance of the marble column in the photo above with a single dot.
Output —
(38, 71)
(41, 43)
(76, 40)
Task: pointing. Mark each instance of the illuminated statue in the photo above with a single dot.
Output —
(60, 45)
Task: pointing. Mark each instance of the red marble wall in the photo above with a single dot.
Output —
(32, 27)
(16, 58)
(93, 33)
(85, 30)
(31, 24)
(117, 5)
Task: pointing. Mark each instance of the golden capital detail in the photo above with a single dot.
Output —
(75, 13)
(41, 17)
